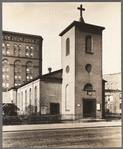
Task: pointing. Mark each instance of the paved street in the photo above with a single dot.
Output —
(74, 137)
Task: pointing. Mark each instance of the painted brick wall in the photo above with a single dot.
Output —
(6, 97)
(68, 78)
(21, 104)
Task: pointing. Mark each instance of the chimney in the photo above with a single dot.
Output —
(49, 69)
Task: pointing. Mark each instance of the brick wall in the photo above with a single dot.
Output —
(82, 77)
(36, 59)
(50, 93)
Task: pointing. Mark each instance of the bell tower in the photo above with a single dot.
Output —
(81, 61)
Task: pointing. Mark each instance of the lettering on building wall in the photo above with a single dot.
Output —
(20, 39)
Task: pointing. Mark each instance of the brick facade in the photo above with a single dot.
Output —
(77, 60)
(23, 40)
(11, 39)
(50, 93)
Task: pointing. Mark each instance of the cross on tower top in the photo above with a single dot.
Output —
(81, 9)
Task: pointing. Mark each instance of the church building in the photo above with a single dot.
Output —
(77, 89)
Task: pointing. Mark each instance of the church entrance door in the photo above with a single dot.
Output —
(89, 108)
(54, 108)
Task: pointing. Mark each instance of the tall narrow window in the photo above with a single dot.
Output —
(15, 50)
(22, 101)
(3, 48)
(3, 84)
(120, 106)
(31, 51)
(5, 73)
(30, 94)
(27, 51)
(67, 46)
(17, 73)
(7, 48)
(25, 100)
(29, 71)
(19, 50)
(120, 96)
(67, 98)
(35, 98)
(88, 46)
(18, 101)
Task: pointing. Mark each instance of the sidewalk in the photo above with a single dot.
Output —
(60, 126)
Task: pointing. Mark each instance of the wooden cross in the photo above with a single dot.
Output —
(81, 9)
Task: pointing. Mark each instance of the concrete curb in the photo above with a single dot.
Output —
(59, 126)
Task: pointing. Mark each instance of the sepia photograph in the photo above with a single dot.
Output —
(61, 75)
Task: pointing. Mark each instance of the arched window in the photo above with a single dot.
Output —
(29, 71)
(89, 45)
(67, 46)
(7, 48)
(67, 98)
(35, 98)
(17, 72)
(88, 87)
(31, 51)
(3, 48)
(25, 100)
(19, 50)
(5, 65)
(5, 73)
(27, 51)
(15, 50)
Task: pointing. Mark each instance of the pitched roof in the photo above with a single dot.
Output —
(53, 76)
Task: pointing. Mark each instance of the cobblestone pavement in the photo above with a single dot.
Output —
(64, 138)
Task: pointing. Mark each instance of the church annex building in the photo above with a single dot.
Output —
(75, 90)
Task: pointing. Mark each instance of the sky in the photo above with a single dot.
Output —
(49, 19)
